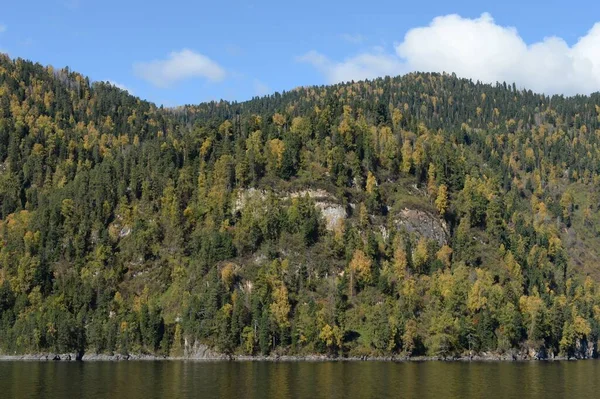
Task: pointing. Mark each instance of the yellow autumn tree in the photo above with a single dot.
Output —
(331, 336)
(400, 261)
(228, 274)
(363, 215)
(444, 254)
(279, 120)
(397, 118)
(301, 126)
(441, 202)
(421, 255)
(280, 308)
(276, 148)
(371, 183)
(360, 268)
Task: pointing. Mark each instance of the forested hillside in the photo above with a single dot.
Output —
(416, 215)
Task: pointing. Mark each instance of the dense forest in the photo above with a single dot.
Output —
(415, 215)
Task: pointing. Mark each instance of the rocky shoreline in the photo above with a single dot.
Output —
(485, 357)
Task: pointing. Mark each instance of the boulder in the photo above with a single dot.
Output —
(422, 223)
(198, 351)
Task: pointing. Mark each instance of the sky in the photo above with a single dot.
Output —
(186, 52)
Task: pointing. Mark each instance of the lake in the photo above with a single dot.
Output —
(181, 379)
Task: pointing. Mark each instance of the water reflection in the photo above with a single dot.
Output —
(256, 380)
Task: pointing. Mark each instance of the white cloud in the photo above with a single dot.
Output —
(180, 65)
(120, 86)
(362, 66)
(482, 50)
(260, 88)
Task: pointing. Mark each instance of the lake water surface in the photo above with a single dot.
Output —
(180, 379)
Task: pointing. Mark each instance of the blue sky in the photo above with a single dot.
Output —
(180, 52)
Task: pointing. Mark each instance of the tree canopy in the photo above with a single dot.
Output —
(421, 214)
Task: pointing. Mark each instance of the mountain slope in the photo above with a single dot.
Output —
(422, 214)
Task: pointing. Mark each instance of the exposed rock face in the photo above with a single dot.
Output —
(117, 357)
(192, 351)
(125, 231)
(415, 221)
(332, 213)
(331, 210)
(200, 351)
(422, 223)
(65, 357)
(244, 195)
(118, 229)
(585, 349)
(537, 353)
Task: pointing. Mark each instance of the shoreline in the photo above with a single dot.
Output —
(71, 357)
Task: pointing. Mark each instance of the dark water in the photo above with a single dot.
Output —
(299, 380)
